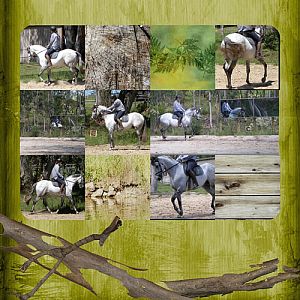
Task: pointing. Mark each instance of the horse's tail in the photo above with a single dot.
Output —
(80, 62)
(232, 50)
(28, 197)
(157, 124)
(144, 131)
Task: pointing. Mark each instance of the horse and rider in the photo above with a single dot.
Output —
(245, 43)
(231, 113)
(66, 57)
(180, 117)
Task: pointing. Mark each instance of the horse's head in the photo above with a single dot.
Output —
(196, 113)
(98, 111)
(158, 168)
(30, 53)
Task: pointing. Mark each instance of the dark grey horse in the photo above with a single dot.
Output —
(179, 180)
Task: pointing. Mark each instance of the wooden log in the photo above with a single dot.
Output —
(248, 184)
(233, 164)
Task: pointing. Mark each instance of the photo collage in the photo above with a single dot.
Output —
(149, 122)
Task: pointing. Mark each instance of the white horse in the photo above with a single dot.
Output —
(179, 180)
(236, 46)
(167, 120)
(66, 57)
(46, 187)
(135, 120)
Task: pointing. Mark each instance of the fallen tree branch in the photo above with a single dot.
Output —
(75, 259)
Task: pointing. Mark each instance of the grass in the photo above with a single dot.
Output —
(54, 203)
(271, 56)
(107, 169)
(29, 72)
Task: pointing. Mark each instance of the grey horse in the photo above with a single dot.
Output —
(179, 180)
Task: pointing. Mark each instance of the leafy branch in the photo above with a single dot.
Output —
(188, 53)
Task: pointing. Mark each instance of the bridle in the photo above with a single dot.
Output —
(161, 170)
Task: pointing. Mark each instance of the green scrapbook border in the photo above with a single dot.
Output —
(170, 250)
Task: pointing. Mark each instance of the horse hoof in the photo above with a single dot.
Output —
(180, 216)
(248, 82)
(191, 136)
(229, 87)
(263, 80)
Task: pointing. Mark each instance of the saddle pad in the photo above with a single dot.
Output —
(55, 183)
(198, 170)
(54, 55)
(125, 118)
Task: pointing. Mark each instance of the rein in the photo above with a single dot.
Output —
(161, 171)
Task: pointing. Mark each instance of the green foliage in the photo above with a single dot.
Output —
(271, 39)
(187, 53)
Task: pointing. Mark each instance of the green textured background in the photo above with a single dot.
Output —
(170, 249)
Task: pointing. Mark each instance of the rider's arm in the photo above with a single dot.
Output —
(52, 38)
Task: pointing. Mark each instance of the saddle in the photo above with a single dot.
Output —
(54, 55)
(125, 118)
(54, 183)
(175, 117)
(197, 170)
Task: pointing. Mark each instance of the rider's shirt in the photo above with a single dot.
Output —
(178, 107)
(55, 173)
(54, 41)
(117, 106)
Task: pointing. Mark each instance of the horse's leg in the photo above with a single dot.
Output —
(248, 71)
(211, 190)
(139, 134)
(34, 202)
(173, 198)
(75, 73)
(49, 76)
(228, 71)
(41, 72)
(46, 205)
(262, 61)
(163, 134)
(73, 204)
(185, 134)
(179, 204)
(192, 133)
(111, 140)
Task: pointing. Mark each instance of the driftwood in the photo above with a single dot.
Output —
(76, 258)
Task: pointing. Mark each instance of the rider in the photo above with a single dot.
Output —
(56, 176)
(249, 31)
(190, 161)
(178, 110)
(226, 109)
(54, 44)
(118, 109)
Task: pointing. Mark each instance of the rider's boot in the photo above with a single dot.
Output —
(62, 190)
(48, 60)
(120, 125)
(194, 179)
(179, 122)
(258, 50)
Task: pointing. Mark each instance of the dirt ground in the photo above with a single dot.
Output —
(194, 206)
(44, 215)
(62, 146)
(207, 144)
(56, 85)
(119, 150)
(238, 79)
